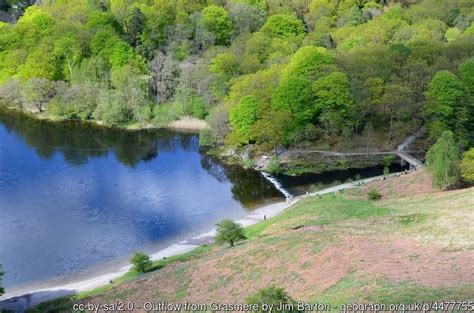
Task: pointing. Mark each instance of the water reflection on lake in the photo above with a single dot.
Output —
(73, 196)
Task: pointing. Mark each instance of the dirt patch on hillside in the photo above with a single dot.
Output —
(402, 259)
(406, 185)
(306, 269)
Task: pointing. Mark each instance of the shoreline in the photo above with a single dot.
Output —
(179, 125)
(27, 297)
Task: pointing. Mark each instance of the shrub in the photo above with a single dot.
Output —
(206, 138)
(374, 195)
(140, 262)
(467, 166)
(229, 232)
(272, 296)
(274, 166)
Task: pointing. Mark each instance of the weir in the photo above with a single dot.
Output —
(277, 185)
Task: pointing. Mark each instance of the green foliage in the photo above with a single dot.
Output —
(140, 262)
(272, 296)
(217, 20)
(296, 96)
(229, 232)
(225, 64)
(332, 92)
(352, 65)
(273, 129)
(374, 194)
(447, 108)
(467, 166)
(199, 107)
(466, 73)
(442, 161)
(274, 166)
(283, 25)
(307, 63)
(206, 137)
(243, 116)
(354, 16)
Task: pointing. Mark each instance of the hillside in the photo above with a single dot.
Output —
(335, 249)
(331, 75)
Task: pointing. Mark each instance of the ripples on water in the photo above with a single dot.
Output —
(74, 196)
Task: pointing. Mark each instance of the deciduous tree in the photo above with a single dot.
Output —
(442, 160)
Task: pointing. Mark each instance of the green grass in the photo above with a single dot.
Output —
(353, 287)
(64, 303)
(432, 216)
(327, 210)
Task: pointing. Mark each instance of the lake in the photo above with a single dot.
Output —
(73, 196)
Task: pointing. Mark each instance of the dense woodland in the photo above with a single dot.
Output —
(269, 72)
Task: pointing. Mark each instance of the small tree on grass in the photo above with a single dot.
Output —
(467, 166)
(442, 161)
(272, 295)
(140, 262)
(374, 195)
(229, 232)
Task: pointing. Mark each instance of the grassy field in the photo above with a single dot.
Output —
(335, 249)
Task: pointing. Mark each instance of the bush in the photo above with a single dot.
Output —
(206, 138)
(229, 232)
(467, 166)
(374, 195)
(274, 166)
(140, 262)
(272, 296)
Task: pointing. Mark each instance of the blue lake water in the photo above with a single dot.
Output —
(74, 196)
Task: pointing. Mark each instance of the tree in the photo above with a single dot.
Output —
(140, 262)
(273, 129)
(334, 101)
(38, 92)
(272, 296)
(225, 65)
(296, 96)
(467, 166)
(466, 72)
(164, 77)
(243, 116)
(247, 18)
(307, 62)
(398, 103)
(68, 50)
(442, 160)
(354, 16)
(217, 20)
(11, 93)
(136, 25)
(229, 232)
(283, 25)
(447, 108)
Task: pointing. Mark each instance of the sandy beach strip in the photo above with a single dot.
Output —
(26, 297)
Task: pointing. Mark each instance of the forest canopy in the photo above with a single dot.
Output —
(329, 70)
